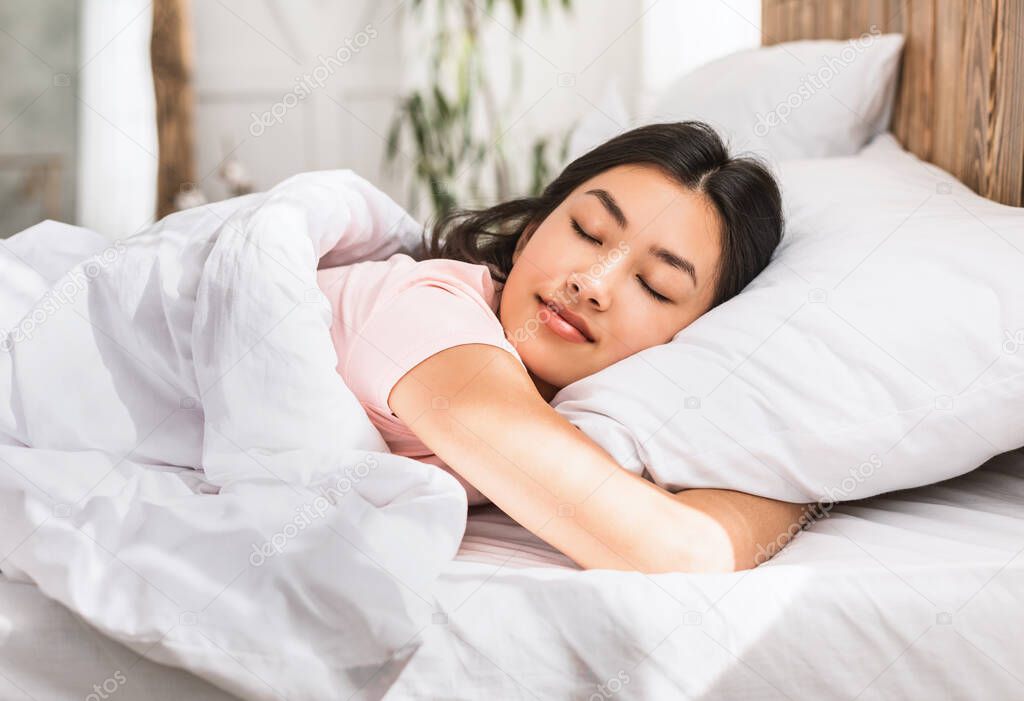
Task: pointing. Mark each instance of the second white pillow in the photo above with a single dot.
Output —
(799, 99)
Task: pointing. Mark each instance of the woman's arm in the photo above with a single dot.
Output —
(475, 407)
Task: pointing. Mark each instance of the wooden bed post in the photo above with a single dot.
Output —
(170, 51)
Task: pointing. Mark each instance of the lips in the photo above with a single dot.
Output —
(574, 320)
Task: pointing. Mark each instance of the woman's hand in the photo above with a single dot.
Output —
(475, 406)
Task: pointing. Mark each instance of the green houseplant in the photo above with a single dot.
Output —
(442, 119)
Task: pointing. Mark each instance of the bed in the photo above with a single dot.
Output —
(908, 595)
(916, 593)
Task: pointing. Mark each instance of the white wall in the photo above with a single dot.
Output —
(676, 37)
(117, 158)
(251, 56)
(680, 35)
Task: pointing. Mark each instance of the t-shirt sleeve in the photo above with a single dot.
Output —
(419, 321)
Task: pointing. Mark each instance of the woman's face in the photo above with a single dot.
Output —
(628, 210)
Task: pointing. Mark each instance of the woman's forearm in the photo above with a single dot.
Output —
(581, 501)
(502, 437)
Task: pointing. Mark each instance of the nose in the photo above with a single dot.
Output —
(591, 290)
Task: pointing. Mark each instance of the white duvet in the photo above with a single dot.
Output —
(182, 467)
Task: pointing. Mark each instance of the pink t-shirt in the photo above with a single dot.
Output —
(391, 315)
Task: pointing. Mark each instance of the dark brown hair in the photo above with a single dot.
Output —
(742, 191)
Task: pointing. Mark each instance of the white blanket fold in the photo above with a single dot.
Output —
(182, 466)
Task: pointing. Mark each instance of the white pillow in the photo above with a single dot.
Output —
(881, 349)
(798, 99)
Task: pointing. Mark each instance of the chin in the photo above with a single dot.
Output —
(553, 376)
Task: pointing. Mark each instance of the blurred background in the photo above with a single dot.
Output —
(114, 113)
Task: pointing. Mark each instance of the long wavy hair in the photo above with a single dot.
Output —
(742, 191)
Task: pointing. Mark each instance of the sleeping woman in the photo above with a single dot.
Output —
(456, 357)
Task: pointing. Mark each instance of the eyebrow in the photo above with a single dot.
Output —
(662, 254)
(675, 261)
(611, 205)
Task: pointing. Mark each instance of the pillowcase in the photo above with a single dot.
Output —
(798, 99)
(882, 348)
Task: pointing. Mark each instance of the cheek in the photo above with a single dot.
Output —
(542, 254)
(524, 281)
(516, 289)
(517, 302)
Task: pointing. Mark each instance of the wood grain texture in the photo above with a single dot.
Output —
(976, 67)
(960, 97)
(170, 51)
(1004, 176)
(949, 45)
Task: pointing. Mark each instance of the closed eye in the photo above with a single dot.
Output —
(582, 233)
(652, 292)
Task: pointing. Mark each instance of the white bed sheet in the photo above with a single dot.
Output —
(915, 594)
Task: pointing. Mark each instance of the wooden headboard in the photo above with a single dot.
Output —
(960, 99)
